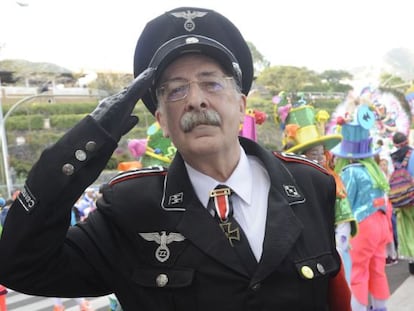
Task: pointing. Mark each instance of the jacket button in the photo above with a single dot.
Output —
(256, 287)
(68, 169)
(307, 272)
(161, 280)
(80, 155)
(320, 268)
(90, 146)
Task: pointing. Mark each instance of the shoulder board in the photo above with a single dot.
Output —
(142, 172)
(298, 158)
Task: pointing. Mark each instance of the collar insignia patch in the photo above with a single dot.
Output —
(176, 198)
(291, 191)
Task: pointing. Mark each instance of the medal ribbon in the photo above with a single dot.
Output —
(221, 202)
(223, 209)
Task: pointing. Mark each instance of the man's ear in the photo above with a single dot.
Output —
(243, 103)
(159, 116)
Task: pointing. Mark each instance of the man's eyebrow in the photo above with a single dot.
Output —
(208, 73)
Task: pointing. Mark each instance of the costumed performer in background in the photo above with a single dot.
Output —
(366, 187)
(405, 215)
(305, 134)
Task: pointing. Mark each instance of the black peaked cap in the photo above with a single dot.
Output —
(188, 29)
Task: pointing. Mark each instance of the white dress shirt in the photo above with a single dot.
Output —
(250, 204)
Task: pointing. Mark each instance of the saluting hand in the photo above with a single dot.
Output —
(114, 112)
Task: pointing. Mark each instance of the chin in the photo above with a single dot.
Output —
(203, 144)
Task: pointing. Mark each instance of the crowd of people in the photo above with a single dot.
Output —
(228, 225)
(370, 227)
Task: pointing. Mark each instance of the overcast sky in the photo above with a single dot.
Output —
(101, 34)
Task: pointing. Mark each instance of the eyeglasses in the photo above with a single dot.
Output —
(177, 89)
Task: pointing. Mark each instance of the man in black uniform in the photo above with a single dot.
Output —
(168, 239)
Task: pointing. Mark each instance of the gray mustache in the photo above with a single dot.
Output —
(192, 119)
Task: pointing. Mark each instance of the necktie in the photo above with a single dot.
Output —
(221, 204)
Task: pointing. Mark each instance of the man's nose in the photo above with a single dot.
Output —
(196, 98)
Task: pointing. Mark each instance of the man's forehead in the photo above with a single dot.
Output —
(183, 67)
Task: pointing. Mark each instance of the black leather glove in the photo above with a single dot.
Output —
(114, 112)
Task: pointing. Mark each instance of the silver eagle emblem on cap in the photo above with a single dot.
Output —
(162, 253)
(189, 24)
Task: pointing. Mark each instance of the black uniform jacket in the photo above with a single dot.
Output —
(153, 244)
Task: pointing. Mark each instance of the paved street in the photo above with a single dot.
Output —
(401, 286)
(21, 302)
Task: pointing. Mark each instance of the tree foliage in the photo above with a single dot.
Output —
(336, 80)
(259, 61)
(286, 78)
(301, 79)
(112, 83)
(390, 80)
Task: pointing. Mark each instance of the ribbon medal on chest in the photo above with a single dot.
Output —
(224, 210)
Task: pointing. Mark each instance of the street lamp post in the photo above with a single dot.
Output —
(4, 150)
(3, 137)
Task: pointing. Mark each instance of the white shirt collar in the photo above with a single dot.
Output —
(240, 181)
